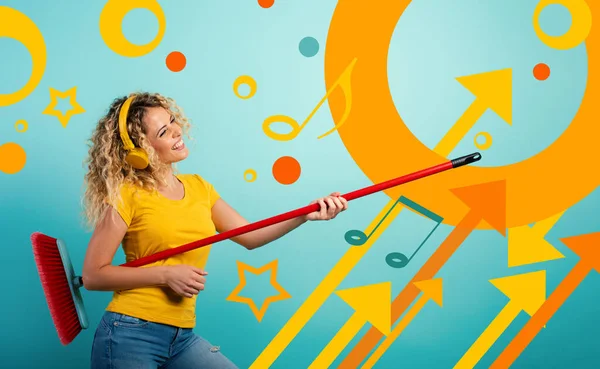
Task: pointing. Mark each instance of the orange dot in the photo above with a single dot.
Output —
(286, 170)
(176, 61)
(541, 72)
(266, 3)
(12, 158)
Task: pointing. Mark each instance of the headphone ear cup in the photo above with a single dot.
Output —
(137, 158)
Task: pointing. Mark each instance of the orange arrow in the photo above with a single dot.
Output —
(487, 202)
(587, 247)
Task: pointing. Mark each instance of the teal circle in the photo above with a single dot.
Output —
(309, 46)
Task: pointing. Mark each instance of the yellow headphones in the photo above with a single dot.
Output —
(137, 157)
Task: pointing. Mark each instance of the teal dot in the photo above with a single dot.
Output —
(309, 47)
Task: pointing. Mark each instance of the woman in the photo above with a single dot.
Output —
(147, 207)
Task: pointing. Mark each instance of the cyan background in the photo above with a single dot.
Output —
(434, 42)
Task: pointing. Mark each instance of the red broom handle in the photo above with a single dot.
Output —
(450, 164)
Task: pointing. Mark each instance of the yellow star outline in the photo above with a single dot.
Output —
(282, 295)
(51, 108)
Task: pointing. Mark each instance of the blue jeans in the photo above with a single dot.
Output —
(125, 342)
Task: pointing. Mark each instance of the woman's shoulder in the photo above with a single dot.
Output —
(195, 178)
(191, 177)
(126, 189)
(201, 184)
(129, 190)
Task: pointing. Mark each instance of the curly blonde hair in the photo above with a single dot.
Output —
(107, 168)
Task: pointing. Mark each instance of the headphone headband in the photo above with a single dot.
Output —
(136, 157)
(123, 124)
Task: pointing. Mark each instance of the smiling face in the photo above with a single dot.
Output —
(165, 135)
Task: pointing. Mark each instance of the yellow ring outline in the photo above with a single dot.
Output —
(581, 24)
(384, 148)
(244, 80)
(22, 122)
(488, 141)
(252, 172)
(16, 25)
(111, 26)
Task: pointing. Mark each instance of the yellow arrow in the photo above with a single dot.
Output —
(492, 90)
(371, 304)
(526, 245)
(526, 292)
(432, 290)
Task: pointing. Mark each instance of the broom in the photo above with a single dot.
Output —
(62, 287)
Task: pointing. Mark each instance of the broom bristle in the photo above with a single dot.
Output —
(56, 287)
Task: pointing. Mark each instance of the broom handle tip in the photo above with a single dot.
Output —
(465, 160)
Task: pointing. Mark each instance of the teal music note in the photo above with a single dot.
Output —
(396, 259)
(358, 238)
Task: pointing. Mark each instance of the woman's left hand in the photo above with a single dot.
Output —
(331, 206)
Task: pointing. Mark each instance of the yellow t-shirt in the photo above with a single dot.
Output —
(157, 223)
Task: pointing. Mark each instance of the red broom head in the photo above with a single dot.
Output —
(56, 287)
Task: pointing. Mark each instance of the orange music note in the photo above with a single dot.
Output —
(343, 81)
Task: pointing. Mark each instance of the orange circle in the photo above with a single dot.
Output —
(176, 61)
(541, 72)
(536, 188)
(266, 3)
(286, 170)
(12, 158)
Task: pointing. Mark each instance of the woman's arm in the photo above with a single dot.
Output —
(227, 218)
(99, 274)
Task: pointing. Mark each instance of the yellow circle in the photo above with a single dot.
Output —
(581, 24)
(111, 30)
(16, 25)
(536, 188)
(488, 141)
(23, 123)
(244, 80)
(251, 172)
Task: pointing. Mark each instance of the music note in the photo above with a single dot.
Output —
(343, 82)
(356, 237)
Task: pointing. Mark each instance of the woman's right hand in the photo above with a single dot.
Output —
(185, 280)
